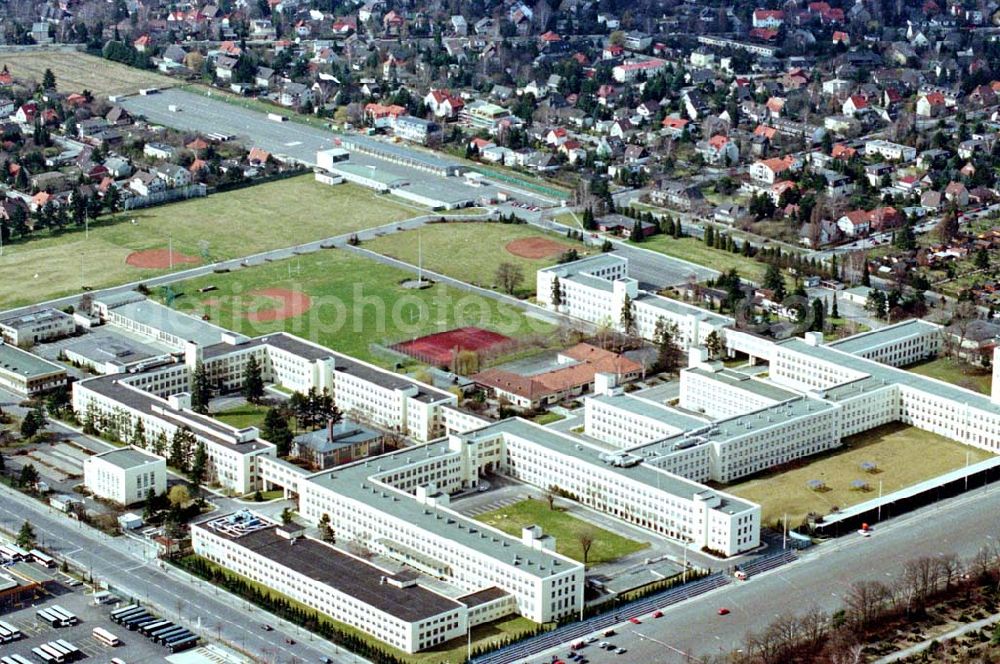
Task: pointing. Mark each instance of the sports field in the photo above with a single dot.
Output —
(565, 527)
(76, 72)
(353, 303)
(472, 251)
(904, 455)
(219, 226)
(439, 348)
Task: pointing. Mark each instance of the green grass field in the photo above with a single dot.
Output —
(233, 224)
(244, 415)
(470, 252)
(905, 456)
(354, 302)
(694, 250)
(76, 72)
(566, 528)
(955, 372)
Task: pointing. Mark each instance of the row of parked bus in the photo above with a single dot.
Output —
(53, 652)
(168, 634)
(12, 553)
(56, 616)
(9, 633)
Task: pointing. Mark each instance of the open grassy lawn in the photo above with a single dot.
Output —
(955, 372)
(76, 72)
(905, 456)
(694, 250)
(566, 528)
(245, 415)
(354, 302)
(450, 652)
(470, 252)
(226, 225)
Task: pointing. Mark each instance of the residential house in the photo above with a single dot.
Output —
(719, 149)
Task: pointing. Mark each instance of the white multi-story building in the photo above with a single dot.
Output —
(392, 607)
(125, 476)
(596, 289)
(32, 328)
(889, 150)
(27, 374)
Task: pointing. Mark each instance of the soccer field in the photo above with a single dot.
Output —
(76, 72)
(345, 302)
(472, 251)
(220, 226)
(904, 455)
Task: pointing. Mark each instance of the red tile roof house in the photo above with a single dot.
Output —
(532, 392)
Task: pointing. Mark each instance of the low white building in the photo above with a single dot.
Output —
(125, 476)
(29, 329)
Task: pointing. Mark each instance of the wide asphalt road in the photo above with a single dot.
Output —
(821, 578)
(128, 566)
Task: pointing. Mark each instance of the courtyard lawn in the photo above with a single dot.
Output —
(471, 251)
(904, 455)
(220, 226)
(244, 415)
(76, 72)
(351, 303)
(955, 372)
(566, 528)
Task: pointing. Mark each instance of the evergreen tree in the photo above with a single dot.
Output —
(180, 449)
(668, 352)
(774, 281)
(818, 316)
(709, 236)
(714, 344)
(29, 476)
(138, 438)
(556, 292)
(905, 239)
(982, 261)
(26, 536)
(637, 232)
(201, 390)
(253, 385)
(32, 423)
(276, 430)
(866, 277)
(326, 530)
(834, 310)
(627, 318)
(199, 465)
(160, 444)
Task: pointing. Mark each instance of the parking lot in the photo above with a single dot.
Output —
(79, 602)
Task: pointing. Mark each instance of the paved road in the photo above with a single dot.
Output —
(129, 566)
(821, 578)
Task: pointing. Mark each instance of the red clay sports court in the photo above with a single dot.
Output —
(438, 348)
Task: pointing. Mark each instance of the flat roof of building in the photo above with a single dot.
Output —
(391, 150)
(360, 481)
(127, 457)
(643, 473)
(746, 382)
(910, 329)
(383, 176)
(344, 573)
(16, 361)
(100, 347)
(172, 322)
(682, 309)
(671, 417)
(35, 317)
(444, 192)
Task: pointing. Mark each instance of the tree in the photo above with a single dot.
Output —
(201, 390)
(834, 310)
(179, 496)
(550, 496)
(876, 303)
(774, 281)
(668, 352)
(866, 277)
(326, 530)
(149, 506)
(199, 465)
(947, 229)
(138, 438)
(253, 382)
(586, 541)
(180, 449)
(556, 292)
(509, 276)
(906, 239)
(982, 260)
(160, 443)
(638, 235)
(818, 315)
(26, 536)
(627, 317)
(32, 423)
(29, 476)
(49, 80)
(276, 430)
(287, 517)
(714, 344)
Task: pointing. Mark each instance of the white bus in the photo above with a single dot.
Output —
(43, 654)
(68, 618)
(42, 558)
(106, 637)
(72, 652)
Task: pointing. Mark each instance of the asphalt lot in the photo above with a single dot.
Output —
(134, 648)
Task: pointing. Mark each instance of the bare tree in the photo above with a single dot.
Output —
(965, 312)
(550, 496)
(509, 276)
(586, 541)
